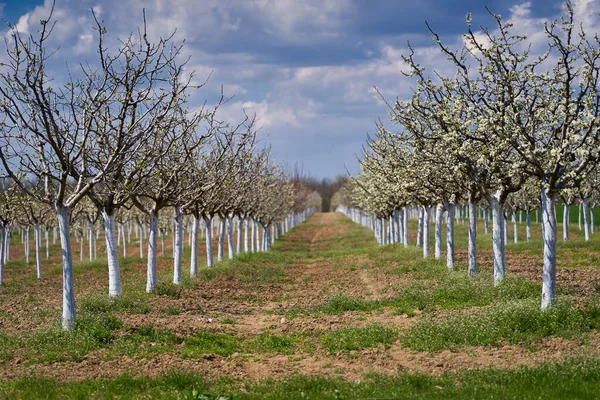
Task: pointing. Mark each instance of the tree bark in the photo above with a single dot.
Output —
(112, 253)
(450, 207)
(439, 220)
(210, 258)
(472, 238)
(194, 247)
(69, 313)
(549, 275)
(178, 253)
(498, 238)
(151, 271)
(426, 218)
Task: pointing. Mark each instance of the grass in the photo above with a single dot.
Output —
(349, 339)
(134, 302)
(575, 378)
(55, 345)
(516, 322)
(204, 342)
(270, 343)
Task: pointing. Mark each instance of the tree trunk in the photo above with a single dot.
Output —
(124, 241)
(47, 237)
(91, 240)
(586, 218)
(528, 221)
(221, 239)
(230, 243)
(112, 254)
(240, 227)
(210, 258)
(549, 276)
(472, 238)
(194, 247)
(486, 221)
(420, 229)
(178, 253)
(426, 218)
(498, 238)
(151, 273)
(405, 230)
(69, 313)
(515, 230)
(2, 251)
(439, 221)
(566, 218)
(246, 235)
(38, 250)
(450, 207)
(253, 241)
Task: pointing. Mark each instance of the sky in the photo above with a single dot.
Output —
(307, 68)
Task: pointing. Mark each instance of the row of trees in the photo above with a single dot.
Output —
(506, 131)
(121, 133)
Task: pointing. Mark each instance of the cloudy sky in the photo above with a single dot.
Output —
(306, 67)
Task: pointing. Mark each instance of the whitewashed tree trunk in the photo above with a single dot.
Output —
(426, 219)
(498, 238)
(53, 235)
(472, 239)
(124, 241)
(2, 252)
(38, 250)
(566, 218)
(549, 275)
(528, 222)
(230, 243)
(151, 277)
(47, 237)
(80, 247)
(258, 247)
(240, 228)
(253, 236)
(221, 249)
(27, 245)
(450, 207)
(439, 221)
(420, 229)
(405, 230)
(112, 254)
(178, 253)
(69, 313)
(246, 235)
(586, 218)
(162, 242)
(91, 239)
(141, 240)
(580, 214)
(210, 258)
(194, 247)
(486, 221)
(515, 230)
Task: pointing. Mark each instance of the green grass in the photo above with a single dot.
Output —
(204, 342)
(349, 339)
(270, 343)
(144, 342)
(577, 378)
(134, 302)
(516, 322)
(56, 345)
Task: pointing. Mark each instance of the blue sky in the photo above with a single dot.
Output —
(306, 67)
